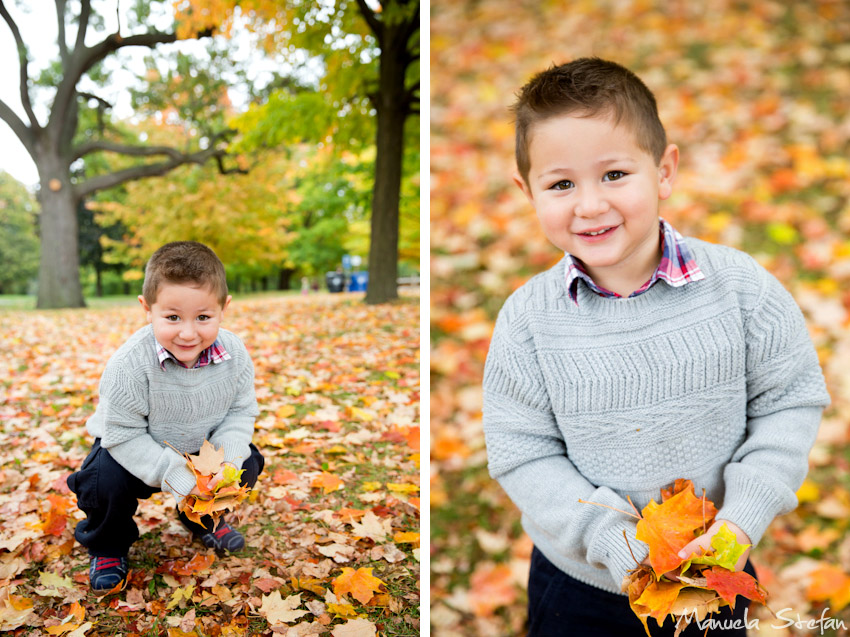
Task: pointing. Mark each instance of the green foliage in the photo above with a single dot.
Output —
(191, 88)
(333, 194)
(19, 246)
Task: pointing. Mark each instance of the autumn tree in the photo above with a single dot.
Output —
(370, 53)
(18, 240)
(56, 144)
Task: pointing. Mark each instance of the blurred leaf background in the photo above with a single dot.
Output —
(757, 96)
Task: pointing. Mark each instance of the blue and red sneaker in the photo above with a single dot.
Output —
(224, 538)
(105, 573)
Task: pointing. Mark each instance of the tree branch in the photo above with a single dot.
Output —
(219, 159)
(111, 180)
(372, 20)
(22, 56)
(124, 149)
(102, 105)
(21, 130)
(85, 13)
(60, 19)
(86, 57)
(92, 96)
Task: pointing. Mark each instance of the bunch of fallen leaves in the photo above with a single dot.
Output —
(706, 582)
(214, 498)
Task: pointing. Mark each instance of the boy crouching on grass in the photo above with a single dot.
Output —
(641, 357)
(175, 383)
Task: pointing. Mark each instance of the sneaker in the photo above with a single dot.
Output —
(105, 573)
(224, 538)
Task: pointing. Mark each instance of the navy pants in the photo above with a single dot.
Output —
(108, 494)
(559, 605)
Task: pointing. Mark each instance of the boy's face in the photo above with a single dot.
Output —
(185, 319)
(596, 193)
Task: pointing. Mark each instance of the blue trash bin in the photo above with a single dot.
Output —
(359, 282)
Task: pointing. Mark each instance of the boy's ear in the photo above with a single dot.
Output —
(667, 168)
(145, 306)
(226, 303)
(520, 182)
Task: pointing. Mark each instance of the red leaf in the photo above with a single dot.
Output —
(730, 584)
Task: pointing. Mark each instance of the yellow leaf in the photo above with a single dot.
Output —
(808, 492)
(370, 486)
(286, 411)
(342, 610)
(402, 488)
(362, 414)
(180, 594)
(406, 537)
(61, 629)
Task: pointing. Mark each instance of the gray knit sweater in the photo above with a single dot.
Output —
(716, 381)
(143, 406)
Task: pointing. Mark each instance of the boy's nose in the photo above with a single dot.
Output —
(591, 203)
(187, 332)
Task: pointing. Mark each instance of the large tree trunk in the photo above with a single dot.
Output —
(59, 271)
(392, 111)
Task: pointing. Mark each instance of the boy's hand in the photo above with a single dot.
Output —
(704, 542)
(219, 475)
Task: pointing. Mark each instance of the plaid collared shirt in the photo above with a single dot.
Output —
(215, 353)
(677, 267)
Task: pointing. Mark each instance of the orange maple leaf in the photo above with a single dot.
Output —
(327, 481)
(57, 516)
(669, 526)
(197, 564)
(360, 583)
(491, 586)
(658, 597)
(829, 582)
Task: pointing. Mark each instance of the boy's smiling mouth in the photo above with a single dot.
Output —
(597, 233)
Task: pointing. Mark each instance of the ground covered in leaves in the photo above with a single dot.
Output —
(332, 527)
(756, 96)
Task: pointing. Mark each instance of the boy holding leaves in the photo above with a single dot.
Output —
(640, 358)
(174, 384)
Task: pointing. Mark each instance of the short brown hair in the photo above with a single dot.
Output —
(185, 262)
(589, 87)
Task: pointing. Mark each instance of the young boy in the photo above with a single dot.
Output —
(176, 382)
(640, 358)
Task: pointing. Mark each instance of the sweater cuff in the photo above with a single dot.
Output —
(751, 505)
(179, 481)
(615, 551)
(608, 546)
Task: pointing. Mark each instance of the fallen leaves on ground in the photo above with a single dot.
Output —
(338, 387)
(755, 95)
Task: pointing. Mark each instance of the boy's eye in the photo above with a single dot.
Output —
(173, 317)
(614, 175)
(204, 317)
(564, 184)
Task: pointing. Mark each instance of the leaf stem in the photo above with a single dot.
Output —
(631, 515)
(626, 537)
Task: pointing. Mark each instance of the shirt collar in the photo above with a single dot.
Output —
(214, 354)
(676, 268)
